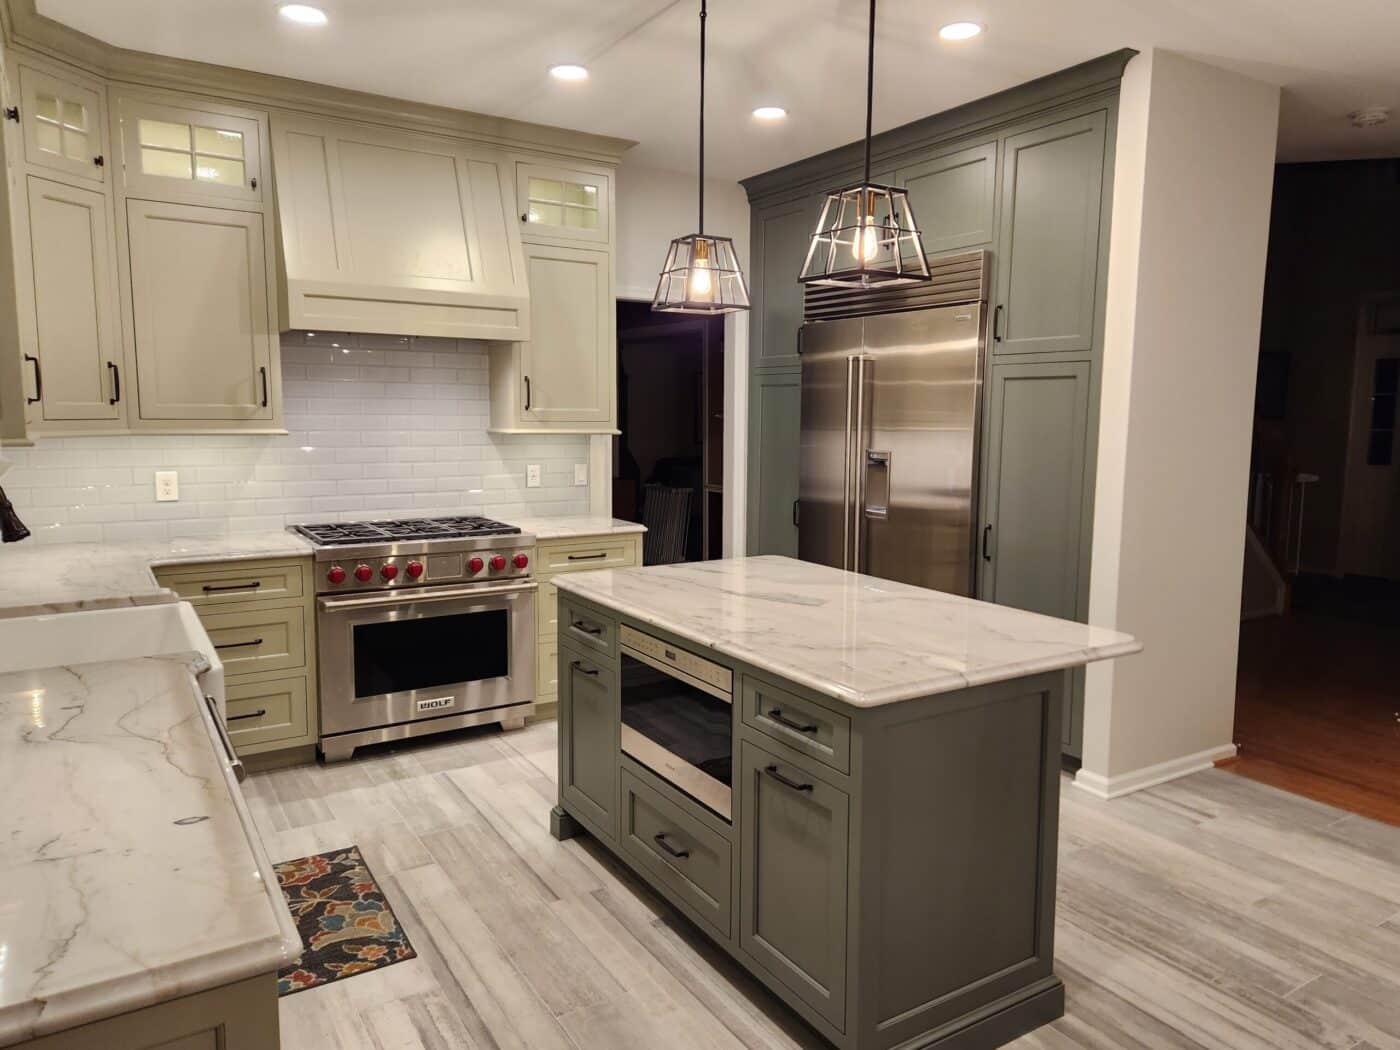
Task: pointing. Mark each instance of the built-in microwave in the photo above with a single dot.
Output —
(678, 717)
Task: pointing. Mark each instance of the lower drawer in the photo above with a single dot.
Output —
(258, 639)
(682, 854)
(267, 712)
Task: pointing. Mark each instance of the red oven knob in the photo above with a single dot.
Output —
(476, 565)
(521, 560)
(336, 575)
(364, 573)
(498, 562)
(415, 570)
(389, 571)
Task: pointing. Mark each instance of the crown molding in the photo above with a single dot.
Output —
(25, 28)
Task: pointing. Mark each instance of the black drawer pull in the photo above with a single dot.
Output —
(116, 383)
(777, 715)
(252, 714)
(772, 771)
(589, 557)
(660, 839)
(577, 665)
(38, 381)
(238, 645)
(210, 588)
(586, 627)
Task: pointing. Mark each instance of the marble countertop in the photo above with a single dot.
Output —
(37, 579)
(131, 869)
(569, 526)
(857, 639)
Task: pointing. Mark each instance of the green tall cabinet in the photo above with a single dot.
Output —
(1026, 174)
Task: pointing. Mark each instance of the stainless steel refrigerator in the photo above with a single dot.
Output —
(891, 397)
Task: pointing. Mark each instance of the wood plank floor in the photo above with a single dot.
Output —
(1211, 912)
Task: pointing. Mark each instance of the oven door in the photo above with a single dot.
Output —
(407, 656)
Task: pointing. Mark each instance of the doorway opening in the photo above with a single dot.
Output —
(668, 460)
(1317, 706)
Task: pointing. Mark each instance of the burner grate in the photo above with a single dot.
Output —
(329, 534)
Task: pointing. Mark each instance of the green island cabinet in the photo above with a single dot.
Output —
(888, 872)
(1025, 175)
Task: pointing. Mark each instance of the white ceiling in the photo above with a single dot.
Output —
(807, 55)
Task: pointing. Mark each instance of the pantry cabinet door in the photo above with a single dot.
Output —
(63, 122)
(204, 336)
(75, 331)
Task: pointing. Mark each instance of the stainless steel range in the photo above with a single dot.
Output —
(423, 625)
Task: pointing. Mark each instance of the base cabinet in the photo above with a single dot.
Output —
(589, 731)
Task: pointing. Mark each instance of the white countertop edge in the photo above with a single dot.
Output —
(946, 682)
(110, 998)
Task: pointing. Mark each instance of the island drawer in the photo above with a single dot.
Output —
(682, 854)
(229, 582)
(258, 639)
(263, 712)
(801, 724)
(587, 629)
(599, 552)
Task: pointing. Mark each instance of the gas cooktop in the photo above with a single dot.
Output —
(345, 533)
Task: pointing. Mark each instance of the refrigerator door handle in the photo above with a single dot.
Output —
(857, 550)
(846, 468)
(877, 483)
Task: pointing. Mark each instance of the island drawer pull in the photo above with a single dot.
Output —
(577, 665)
(251, 714)
(772, 771)
(239, 773)
(210, 588)
(586, 627)
(588, 557)
(237, 645)
(776, 714)
(660, 839)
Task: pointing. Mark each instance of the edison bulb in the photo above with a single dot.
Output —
(867, 242)
(701, 283)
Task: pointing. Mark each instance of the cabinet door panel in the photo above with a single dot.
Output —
(775, 412)
(567, 365)
(63, 123)
(75, 315)
(1035, 493)
(781, 235)
(954, 198)
(589, 734)
(185, 153)
(1048, 257)
(563, 204)
(200, 304)
(793, 880)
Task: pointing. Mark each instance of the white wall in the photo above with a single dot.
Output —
(1192, 186)
(653, 208)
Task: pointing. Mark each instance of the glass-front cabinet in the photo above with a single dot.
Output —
(563, 204)
(178, 153)
(62, 122)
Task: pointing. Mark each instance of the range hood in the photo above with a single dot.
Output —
(395, 233)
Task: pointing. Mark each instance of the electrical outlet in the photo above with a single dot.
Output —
(580, 473)
(167, 486)
(532, 476)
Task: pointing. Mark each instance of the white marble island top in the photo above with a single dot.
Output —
(130, 872)
(857, 639)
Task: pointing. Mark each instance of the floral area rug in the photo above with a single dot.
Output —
(346, 925)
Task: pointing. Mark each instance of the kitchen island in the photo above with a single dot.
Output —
(851, 785)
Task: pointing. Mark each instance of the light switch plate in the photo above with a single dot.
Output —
(167, 486)
(532, 476)
(580, 473)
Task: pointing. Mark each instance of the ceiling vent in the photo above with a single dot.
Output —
(1370, 116)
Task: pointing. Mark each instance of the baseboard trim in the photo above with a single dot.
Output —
(1122, 784)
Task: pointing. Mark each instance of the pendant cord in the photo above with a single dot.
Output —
(701, 226)
(870, 92)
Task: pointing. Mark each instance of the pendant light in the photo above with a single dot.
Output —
(866, 236)
(701, 274)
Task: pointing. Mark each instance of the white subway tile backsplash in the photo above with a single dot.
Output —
(377, 426)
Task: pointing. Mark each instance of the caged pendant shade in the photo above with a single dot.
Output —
(866, 236)
(701, 274)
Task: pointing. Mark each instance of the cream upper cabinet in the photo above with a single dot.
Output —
(178, 152)
(563, 204)
(397, 233)
(204, 336)
(68, 310)
(63, 121)
(562, 377)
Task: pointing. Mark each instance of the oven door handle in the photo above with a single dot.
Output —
(402, 597)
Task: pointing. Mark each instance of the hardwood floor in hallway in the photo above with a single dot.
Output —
(1210, 912)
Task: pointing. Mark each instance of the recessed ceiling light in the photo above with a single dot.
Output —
(960, 31)
(769, 113)
(303, 14)
(568, 72)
